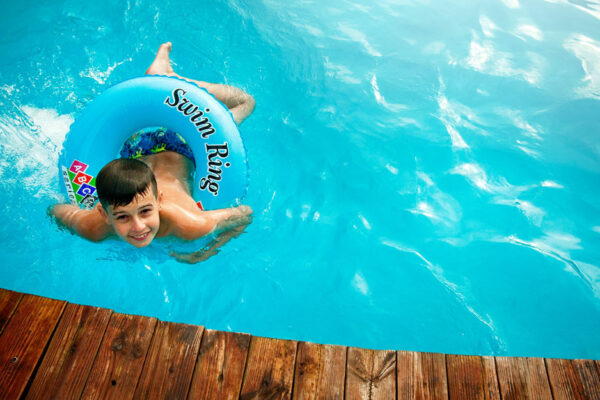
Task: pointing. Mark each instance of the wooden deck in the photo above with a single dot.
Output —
(54, 349)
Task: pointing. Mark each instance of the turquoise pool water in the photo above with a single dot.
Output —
(425, 175)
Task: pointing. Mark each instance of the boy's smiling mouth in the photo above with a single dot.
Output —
(140, 237)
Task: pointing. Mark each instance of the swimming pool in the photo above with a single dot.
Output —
(424, 176)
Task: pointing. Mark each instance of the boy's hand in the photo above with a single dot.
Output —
(196, 257)
(246, 210)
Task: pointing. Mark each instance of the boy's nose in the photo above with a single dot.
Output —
(138, 225)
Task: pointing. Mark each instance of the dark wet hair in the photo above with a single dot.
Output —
(121, 180)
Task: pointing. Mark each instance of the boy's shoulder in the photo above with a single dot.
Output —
(183, 221)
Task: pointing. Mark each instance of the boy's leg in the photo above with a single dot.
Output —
(162, 64)
(240, 103)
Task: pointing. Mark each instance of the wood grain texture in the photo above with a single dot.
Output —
(120, 358)
(23, 342)
(421, 375)
(123, 356)
(220, 366)
(371, 374)
(523, 378)
(589, 373)
(69, 357)
(564, 379)
(169, 365)
(269, 370)
(320, 372)
(472, 377)
(8, 304)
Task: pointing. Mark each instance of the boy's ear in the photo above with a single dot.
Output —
(103, 213)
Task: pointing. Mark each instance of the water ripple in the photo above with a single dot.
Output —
(438, 274)
(587, 50)
(558, 245)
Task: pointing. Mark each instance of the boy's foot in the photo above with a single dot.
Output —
(161, 64)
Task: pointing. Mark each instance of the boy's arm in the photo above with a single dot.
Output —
(89, 224)
(193, 226)
(228, 218)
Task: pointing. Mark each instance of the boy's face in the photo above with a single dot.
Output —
(136, 223)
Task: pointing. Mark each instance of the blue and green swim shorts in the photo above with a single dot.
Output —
(154, 140)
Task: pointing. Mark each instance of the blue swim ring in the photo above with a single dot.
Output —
(97, 135)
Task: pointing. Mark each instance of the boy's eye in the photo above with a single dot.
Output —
(121, 217)
(146, 211)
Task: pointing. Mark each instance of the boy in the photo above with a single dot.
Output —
(149, 197)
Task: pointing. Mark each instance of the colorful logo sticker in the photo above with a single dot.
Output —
(82, 178)
(81, 187)
(68, 185)
(78, 166)
(89, 201)
(86, 190)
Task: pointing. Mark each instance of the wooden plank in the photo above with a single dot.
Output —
(220, 367)
(564, 379)
(170, 362)
(120, 358)
(421, 375)
(371, 374)
(269, 369)
(320, 372)
(68, 360)
(590, 377)
(523, 378)
(472, 377)
(8, 304)
(23, 342)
